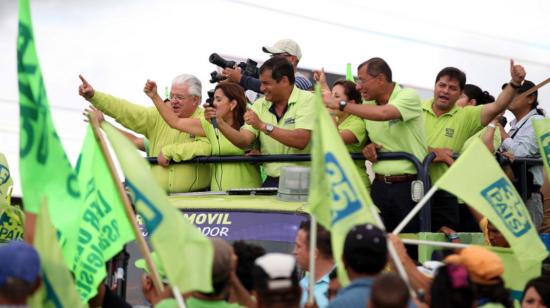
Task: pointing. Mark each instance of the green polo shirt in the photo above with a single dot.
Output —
(356, 126)
(174, 144)
(299, 114)
(229, 175)
(399, 135)
(450, 130)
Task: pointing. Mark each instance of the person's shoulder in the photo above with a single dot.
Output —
(407, 92)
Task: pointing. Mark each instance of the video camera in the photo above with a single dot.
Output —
(248, 68)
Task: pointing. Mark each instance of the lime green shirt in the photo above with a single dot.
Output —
(450, 130)
(174, 144)
(356, 126)
(299, 114)
(194, 302)
(399, 135)
(497, 140)
(229, 175)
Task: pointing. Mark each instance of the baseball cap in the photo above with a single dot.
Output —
(141, 264)
(275, 271)
(484, 266)
(20, 261)
(364, 239)
(284, 46)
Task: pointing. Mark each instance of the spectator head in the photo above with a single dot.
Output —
(229, 98)
(287, 48)
(536, 293)
(374, 76)
(346, 90)
(147, 285)
(389, 291)
(449, 85)
(277, 79)
(474, 96)
(365, 250)
(185, 95)
(496, 238)
(276, 281)
(221, 267)
(301, 247)
(451, 287)
(334, 285)
(246, 255)
(528, 103)
(19, 272)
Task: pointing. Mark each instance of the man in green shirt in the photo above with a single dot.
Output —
(167, 143)
(281, 120)
(394, 123)
(449, 126)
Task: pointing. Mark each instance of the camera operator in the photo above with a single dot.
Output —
(287, 48)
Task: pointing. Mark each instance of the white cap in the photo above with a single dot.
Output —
(279, 270)
(285, 46)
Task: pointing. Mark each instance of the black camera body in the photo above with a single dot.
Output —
(210, 99)
(248, 68)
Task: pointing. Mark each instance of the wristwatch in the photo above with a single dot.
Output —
(269, 128)
(342, 105)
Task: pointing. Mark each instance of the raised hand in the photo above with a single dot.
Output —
(321, 79)
(85, 89)
(252, 119)
(150, 88)
(517, 72)
(91, 111)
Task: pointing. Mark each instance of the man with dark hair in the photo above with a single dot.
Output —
(449, 126)
(276, 281)
(19, 273)
(281, 120)
(324, 263)
(246, 255)
(389, 291)
(365, 256)
(394, 123)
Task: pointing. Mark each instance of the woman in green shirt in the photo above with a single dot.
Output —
(230, 103)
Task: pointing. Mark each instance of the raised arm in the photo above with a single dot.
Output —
(188, 125)
(490, 111)
(384, 112)
(296, 138)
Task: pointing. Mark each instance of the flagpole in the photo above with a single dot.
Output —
(415, 210)
(435, 243)
(312, 248)
(142, 245)
(177, 295)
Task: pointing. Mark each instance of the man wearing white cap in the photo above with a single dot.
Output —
(285, 47)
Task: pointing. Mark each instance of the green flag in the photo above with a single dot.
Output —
(45, 169)
(183, 251)
(336, 197)
(58, 289)
(349, 73)
(542, 131)
(103, 226)
(477, 178)
(6, 182)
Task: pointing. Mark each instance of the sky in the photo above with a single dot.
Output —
(118, 45)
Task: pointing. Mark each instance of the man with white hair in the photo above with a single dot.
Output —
(166, 143)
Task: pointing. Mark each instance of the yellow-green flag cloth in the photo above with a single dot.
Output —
(103, 227)
(183, 251)
(349, 73)
(477, 178)
(58, 288)
(542, 131)
(45, 169)
(6, 182)
(337, 198)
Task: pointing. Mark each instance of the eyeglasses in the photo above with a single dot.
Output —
(361, 82)
(179, 98)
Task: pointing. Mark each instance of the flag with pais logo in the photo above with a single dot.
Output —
(44, 167)
(184, 252)
(336, 197)
(477, 178)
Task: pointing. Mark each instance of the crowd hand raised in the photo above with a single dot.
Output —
(162, 160)
(150, 88)
(91, 111)
(370, 152)
(233, 74)
(85, 89)
(252, 119)
(320, 77)
(518, 73)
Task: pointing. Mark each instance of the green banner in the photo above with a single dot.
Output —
(6, 182)
(44, 167)
(183, 251)
(103, 227)
(336, 195)
(57, 288)
(477, 178)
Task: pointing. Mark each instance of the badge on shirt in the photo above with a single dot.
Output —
(289, 121)
(449, 132)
